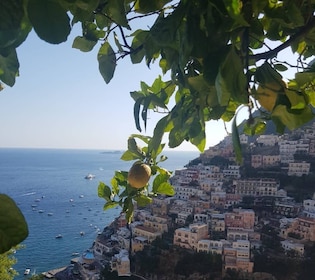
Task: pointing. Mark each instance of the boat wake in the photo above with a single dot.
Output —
(29, 193)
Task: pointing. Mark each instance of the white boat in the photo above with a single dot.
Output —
(58, 236)
(50, 214)
(89, 176)
(27, 271)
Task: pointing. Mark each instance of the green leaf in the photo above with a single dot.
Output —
(280, 67)
(231, 80)
(115, 10)
(13, 227)
(9, 68)
(254, 127)
(296, 99)
(234, 8)
(236, 142)
(291, 119)
(50, 20)
(305, 78)
(144, 6)
(165, 189)
(110, 205)
(137, 46)
(134, 148)
(159, 180)
(104, 191)
(106, 62)
(83, 44)
(128, 155)
(143, 200)
(199, 140)
(115, 186)
(128, 209)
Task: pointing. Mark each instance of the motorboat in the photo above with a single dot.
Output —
(58, 236)
(27, 271)
(89, 176)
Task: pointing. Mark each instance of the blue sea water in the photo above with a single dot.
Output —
(49, 187)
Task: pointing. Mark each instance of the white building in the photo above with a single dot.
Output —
(232, 171)
(299, 168)
(210, 246)
(309, 208)
(189, 237)
(185, 192)
(121, 263)
(289, 245)
(267, 140)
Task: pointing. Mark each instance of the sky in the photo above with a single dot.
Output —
(60, 100)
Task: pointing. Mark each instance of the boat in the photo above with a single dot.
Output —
(40, 211)
(75, 254)
(50, 214)
(58, 236)
(82, 233)
(27, 271)
(81, 196)
(89, 176)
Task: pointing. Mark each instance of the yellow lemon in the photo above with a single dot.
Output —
(139, 174)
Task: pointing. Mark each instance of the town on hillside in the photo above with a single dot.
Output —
(255, 220)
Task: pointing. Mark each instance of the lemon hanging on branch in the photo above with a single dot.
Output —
(139, 174)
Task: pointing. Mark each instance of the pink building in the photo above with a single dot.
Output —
(240, 218)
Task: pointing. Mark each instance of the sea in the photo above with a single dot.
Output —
(50, 188)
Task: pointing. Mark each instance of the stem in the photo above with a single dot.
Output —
(294, 37)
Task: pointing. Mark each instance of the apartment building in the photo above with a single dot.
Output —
(185, 192)
(286, 208)
(289, 245)
(240, 218)
(267, 140)
(256, 187)
(149, 233)
(218, 199)
(232, 171)
(211, 246)
(302, 228)
(237, 256)
(299, 168)
(188, 237)
(309, 208)
(217, 222)
(121, 263)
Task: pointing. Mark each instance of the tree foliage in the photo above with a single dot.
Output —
(219, 56)
(7, 261)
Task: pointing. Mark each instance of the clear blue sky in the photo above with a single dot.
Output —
(61, 101)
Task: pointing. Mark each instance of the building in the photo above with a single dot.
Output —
(289, 245)
(286, 208)
(237, 256)
(299, 168)
(309, 208)
(232, 171)
(121, 263)
(149, 233)
(256, 187)
(210, 246)
(240, 218)
(301, 228)
(188, 237)
(267, 140)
